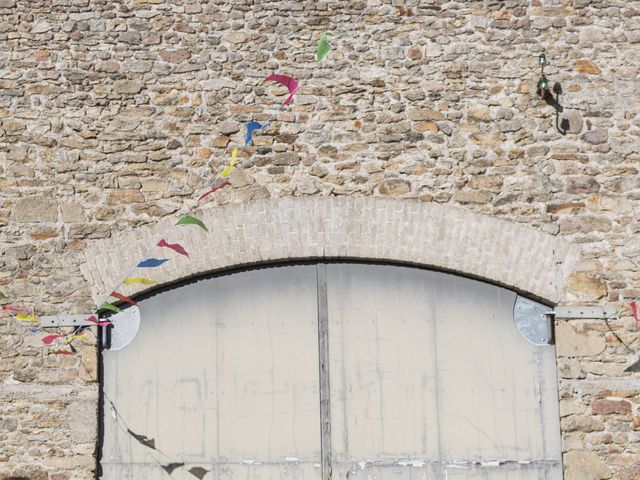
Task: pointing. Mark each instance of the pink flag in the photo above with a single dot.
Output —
(93, 319)
(634, 309)
(50, 338)
(288, 82)
(176, 247)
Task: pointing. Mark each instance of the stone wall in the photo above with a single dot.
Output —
(113, 114)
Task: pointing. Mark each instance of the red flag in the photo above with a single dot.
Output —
(634, 309)
(119, 296)
(175, 247)
(214, 189)
(50, 338)
(9, 308)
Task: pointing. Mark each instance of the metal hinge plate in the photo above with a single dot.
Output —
(53, 321)
(584, 312)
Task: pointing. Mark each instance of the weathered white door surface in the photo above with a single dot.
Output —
(223, 375)
(332, 371)
(431, 379)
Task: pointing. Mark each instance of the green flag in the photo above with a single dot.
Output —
(109, 306)
(323, 46)
(189, 220)
(2, 296)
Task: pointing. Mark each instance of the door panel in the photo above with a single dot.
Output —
(491, 380)
(210, 377)
(383, 386)
(429, 376)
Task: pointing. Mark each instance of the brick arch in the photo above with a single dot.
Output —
(378, 229)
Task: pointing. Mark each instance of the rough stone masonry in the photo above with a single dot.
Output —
(114, 113)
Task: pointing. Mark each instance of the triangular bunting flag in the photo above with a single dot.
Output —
(175, 247)
(144, 281)
(217, 186)
(9, 308)
(50, 338)
(73, 337)
(152, 262)
(198, 472)
(143, 439)
(93, 319)
(170, 467)
(251, 126)
(110, 307)
(119, 296)
(63, 352)
(289, 82)
(189, 220)
(227, 171)
(634, 367)
(323, 46)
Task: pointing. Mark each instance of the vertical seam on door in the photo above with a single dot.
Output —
(323, 356)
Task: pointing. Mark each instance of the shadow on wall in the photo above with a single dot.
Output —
(564, 125)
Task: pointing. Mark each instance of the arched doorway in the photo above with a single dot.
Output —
(334, 370)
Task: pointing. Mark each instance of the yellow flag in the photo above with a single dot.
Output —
(27, 318)
(233, 157)
(73, 337)
(227, 171)
(144, 281)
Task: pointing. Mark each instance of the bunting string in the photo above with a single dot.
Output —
(186, 218)
(190, 219)
(220, 181)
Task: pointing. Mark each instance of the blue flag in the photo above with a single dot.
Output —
(251, 126)
(152, 262)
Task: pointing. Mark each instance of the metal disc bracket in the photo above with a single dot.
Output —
(533, 321)
(125, 326)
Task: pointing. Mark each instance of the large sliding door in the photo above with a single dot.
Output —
(332, 371)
